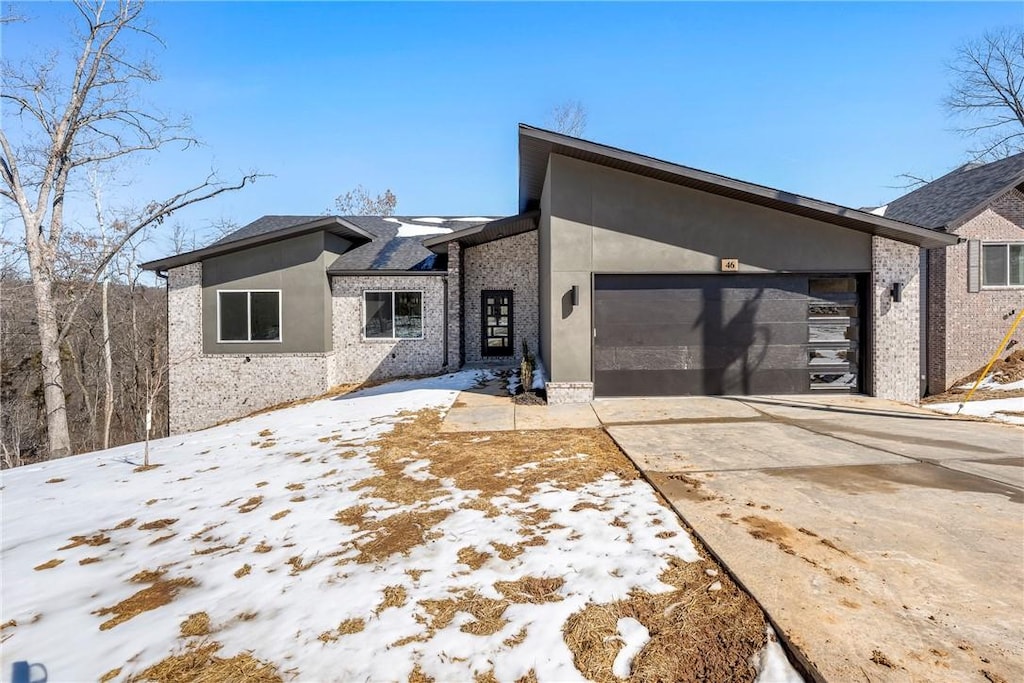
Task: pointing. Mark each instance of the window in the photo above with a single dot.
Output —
(1002, 265)
(393, 315)
(249, 316)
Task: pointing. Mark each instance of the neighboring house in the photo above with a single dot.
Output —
(976, 287)
(628, 275)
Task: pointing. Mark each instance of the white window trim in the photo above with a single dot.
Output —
(423, 301)
(248, 316)
(996, 243)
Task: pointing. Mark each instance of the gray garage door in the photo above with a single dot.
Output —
(676, 335)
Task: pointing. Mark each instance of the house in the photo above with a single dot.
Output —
(976, 287)
(630, 276)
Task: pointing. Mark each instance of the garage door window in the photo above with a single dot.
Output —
(832, 333)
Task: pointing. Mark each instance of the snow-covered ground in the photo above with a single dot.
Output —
(266, 526)
(996, 408)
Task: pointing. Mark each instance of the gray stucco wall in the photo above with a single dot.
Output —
(297, 267)
(359, 359)
(607, 221)
(510, 263)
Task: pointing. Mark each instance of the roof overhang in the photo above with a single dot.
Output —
(537, 145)
(485, 232)
(332, 224)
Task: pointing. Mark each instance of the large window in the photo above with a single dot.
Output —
(249, 316)
(393, 315)
(1002, 265)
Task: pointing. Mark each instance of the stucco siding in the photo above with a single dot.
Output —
(895, 334)
(359, 359)
(965, 328)
(511, 264)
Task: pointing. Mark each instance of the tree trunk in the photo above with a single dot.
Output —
(108, 399)
(53, 376)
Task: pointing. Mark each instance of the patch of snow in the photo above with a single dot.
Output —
(772, 665)
(990, 384)
(880, 210)
(309, 461)
(716, 586)
(995, 408)
(634, 636)
(413, 230)
(473, 219)
(429, 219)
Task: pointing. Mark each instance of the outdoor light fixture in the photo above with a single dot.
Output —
(575, 295)
(896, 292)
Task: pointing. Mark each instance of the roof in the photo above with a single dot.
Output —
(536, 145)
(958, 195)
(264, 230)
(398, 243)
(485, 232)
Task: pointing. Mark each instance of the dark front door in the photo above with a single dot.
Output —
(496, 319)
(725, 334)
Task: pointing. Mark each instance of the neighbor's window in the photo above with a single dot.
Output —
(1002, 265)
(249, 316)
(393, 315)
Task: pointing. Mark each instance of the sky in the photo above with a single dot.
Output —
(828, 100)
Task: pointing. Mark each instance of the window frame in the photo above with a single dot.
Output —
(248, 316)
(392, 292)
(999, 243)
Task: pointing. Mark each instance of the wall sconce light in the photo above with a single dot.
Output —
(896, 292)
(575, 295)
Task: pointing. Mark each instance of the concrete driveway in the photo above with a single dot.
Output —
(885, 542)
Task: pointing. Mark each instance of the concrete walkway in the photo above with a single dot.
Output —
(885, 542)
(489, 408)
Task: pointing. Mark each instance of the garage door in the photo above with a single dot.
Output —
(676, 335)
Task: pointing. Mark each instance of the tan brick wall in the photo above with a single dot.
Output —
(359, 359)
(895, 327)
(207, 389)
(965, 328)
(510, 263)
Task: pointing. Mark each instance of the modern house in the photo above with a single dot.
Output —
(976, 287)
(630, 276)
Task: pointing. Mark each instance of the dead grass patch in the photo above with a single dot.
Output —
(397, 534)
(151, 501)
(516, 639)
(90, 560)
(261, 484)
(197, 624)
(148, 576)
(297, 486)
(268, 444)
(48, 565)
(157, 595)
(352, 516)
(251, 504)
(199, 664)
(280, 515)
(297, 499)
(531, 589)
(298, 565)
(345, 628)
(266, 432)
(394, 596)
(55, 480)
(243, 571)
(696, 634)
(417, 676)
(486, 612)
(94, 540)
(157, 524)
(473, 558)
(146, 468)
(124, 525)
(110, 675)
(263, 547)
(162, 539)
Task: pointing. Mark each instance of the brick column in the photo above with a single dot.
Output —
(895, 326)
(454, 322)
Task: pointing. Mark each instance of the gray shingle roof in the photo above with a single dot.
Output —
(953, 197)
(393, 252)
(264, 225)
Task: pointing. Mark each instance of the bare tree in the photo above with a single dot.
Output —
(54, 129)
(987, 92)
(569, 118)
(359, 202)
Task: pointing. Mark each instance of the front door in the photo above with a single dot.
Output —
(496, 319)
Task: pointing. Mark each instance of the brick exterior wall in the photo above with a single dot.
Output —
(509, 263)
(455, 313)
(965, 328)
(359, 359)
(569, 392)
(895, 337)
(207, 389)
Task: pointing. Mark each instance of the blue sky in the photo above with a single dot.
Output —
(829, 100)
